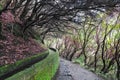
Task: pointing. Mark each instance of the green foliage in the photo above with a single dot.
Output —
(2, 4)
(43, 70)
(0, 7)
(79, 60)
(111, 75)
(108, 30)
(15, 29)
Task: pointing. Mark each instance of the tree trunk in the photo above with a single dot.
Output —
(95, 66)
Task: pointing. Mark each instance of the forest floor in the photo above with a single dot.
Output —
(71, 71)
(13, 48)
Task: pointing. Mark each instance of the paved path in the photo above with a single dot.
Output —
(71, 71)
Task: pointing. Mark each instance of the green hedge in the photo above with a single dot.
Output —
(43, 70)
(22, 64)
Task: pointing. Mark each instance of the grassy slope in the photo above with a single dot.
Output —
(43, 70)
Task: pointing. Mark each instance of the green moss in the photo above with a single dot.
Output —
(8, 68)
(43, 70)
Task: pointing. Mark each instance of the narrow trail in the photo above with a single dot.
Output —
(71, 71)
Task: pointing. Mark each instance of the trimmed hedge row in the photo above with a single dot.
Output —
(42, 70)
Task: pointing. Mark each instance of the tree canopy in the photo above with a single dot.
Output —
(44, 13)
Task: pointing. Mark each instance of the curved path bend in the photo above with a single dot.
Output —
(71, 71)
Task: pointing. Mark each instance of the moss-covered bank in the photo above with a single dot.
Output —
(9, 70)
(43, 70)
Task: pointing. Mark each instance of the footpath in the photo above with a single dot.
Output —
(72, 71)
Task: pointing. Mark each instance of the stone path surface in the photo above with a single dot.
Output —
(71, 71)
